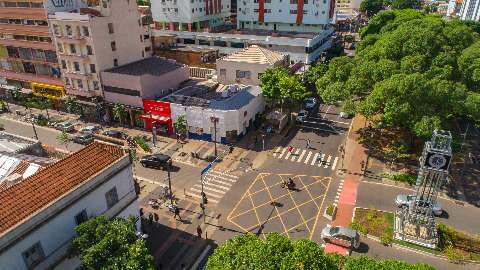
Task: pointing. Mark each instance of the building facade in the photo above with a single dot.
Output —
(470, 10)
(190, 15)
(95, 38)
(37, 228)
(27, 54)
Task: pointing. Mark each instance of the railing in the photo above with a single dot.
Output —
(204, 73)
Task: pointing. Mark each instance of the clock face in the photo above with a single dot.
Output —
(437, 161)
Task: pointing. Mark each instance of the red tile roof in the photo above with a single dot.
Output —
(35, 192)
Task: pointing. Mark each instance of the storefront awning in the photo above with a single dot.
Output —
(155, 118)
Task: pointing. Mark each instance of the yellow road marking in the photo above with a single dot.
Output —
(244, 194)
(278, 213)
(320, 209)
(253, 205)
(298, 209)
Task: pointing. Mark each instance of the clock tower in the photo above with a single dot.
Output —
(415, 223)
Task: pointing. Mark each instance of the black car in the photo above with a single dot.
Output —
(114, 134)
(83, 138)
(156, 161)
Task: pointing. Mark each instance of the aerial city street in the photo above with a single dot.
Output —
(225, 134)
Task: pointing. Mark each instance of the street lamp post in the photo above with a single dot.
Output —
(214, 121)
(169, 165)
(34, 129)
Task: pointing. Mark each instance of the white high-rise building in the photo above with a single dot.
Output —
(190, 15)
(470, 10)
(284, 15)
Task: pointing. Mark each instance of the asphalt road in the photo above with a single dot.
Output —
(465, 218)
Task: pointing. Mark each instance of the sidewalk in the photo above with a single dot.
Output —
(355, 153)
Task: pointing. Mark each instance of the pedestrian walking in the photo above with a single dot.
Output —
(199, 231)
(308, 143)
(290, 149)
(177, 213)
(150, 218)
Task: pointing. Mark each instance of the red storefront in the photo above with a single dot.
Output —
(158, 114)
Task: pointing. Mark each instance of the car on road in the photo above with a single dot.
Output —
(156, 161)
(302, 115)
(65, 126)
(341, 236)
(310, 103)
(89, 130)
(403, 200)
(344, 115)
(83, 138)
(115, 134)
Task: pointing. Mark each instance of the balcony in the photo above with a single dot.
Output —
(33, 61)
(77, 75)
(24, 13)
(73, 39)
(73, 57)
(28, 77)
(21, 29)
(81, 92)
(28, 44)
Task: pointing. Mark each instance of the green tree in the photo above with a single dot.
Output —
(472, 107)
(313, 73)
(405, 4)
(292, 91)
(111, 244)
(45, 104)
(180, 125)
(64, 139)
(371, 7)
(269, 81)
(119, 112)
(71, 105)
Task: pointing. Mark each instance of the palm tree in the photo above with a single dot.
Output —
(44, 105)
(64, 138)
(119, 112)
(71, 105)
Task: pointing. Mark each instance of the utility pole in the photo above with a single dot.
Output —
(154, 138)
(34, 129)
(214, 120)
(204, 200)
(169, 164)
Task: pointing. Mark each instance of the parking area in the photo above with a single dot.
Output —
(267, 207)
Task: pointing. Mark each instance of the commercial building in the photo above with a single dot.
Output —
(91, 39)
(346, 10)
(27, 54)
(150, 78)
(470, 10)
(39, 214)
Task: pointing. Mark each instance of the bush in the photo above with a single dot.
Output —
(405, 178)
(142, 143)
(453, 254)
(359, 227)
(330, 209)
(386, 238)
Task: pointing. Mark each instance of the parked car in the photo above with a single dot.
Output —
(156, 161)
(115, 134)
(83, 138)
(65, 126)
(345, 115)
(341, 236)
(403, 200)
(89, 130)
(302, 115)
(310, 103)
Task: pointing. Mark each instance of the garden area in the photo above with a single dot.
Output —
(375, 223)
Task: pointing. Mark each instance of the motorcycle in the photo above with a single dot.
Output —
(290, 184)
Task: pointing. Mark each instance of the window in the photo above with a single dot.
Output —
(86, 32)
(243, 74)
(68, 28)
(305, 11)
(23, 4)
(268, 11)
(76, 66)
(64, 64)
(72, 48)
(305, 2)
(89, 50)
(56, 30)
(34, 255)
(115, 62)
(111, 197)
(113, 45)
(223, 72)
(110, 28)
(60, 47)
(37, 5)
(95, 85)
(293, 2)
(81, 217)
(79, 84)
(255, 10)
(93, 68)
(293, 11)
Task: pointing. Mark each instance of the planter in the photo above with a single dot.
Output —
(333, 213)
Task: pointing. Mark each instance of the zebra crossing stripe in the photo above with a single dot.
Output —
(314, 159)
(212, 176)
(294, 156)
(283, 152)
(277, 151)
(321, 160)
(301, 155)
(206, 187)
(198, 196)
(328, 162)
(288, 155)
(217, 186)
(308, 157)
(207, 192)
(334, 163)
(220, 182)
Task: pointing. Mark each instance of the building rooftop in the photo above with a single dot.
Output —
(154, 66)
(21, 201)
(255, 55)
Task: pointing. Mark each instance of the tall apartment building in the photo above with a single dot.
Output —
(27, 53)
(284, 15)
(190, 15)
(105, 34)
(470, 10)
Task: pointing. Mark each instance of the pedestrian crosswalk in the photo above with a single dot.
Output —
(215, 185)
(307, 157)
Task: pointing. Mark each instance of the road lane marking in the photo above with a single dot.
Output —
(208, 193)
(301, 155)
(308, 157)
(314, 159)
(288, 155)
(277, 151)
(294, 156)
(334, 163)
(283, 152)
(327, 163)
(321, 160)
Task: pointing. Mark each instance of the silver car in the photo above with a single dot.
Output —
(341, 236)
(403, 200)
(65, 126)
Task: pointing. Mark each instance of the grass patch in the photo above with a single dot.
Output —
(417, 247)
(142, 143)
(374, 222)
(330, 209)
(458, 246)
(406, 178)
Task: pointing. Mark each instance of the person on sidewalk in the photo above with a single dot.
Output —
(308, 143)
(290, 149)
(199, 231)
(177, 213)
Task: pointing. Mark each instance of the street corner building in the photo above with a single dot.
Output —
(38, 215)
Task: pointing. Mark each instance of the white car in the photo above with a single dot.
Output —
(89, 129)
(344, 115)
(65, 126)
(310, 103)
(301, 116)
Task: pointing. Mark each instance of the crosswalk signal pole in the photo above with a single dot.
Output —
(204, 200)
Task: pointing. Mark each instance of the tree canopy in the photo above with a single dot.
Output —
(371, 7)
(281, 88)
(279, 252)
(411, 70)
(111, 244)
